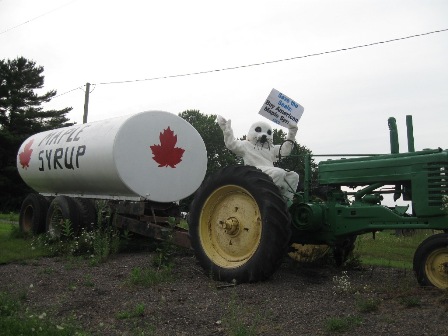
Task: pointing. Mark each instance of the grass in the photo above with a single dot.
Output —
(96, 245)
(183, 224)
(236, 321)
(410, 302)
(368, 305)
(389, 250)
(9, 217)
(386, 249)
(147, 277)
(137, 311)
(14, 247)
(15, 319)
(342, 324)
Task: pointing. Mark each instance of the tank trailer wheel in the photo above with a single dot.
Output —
(62, 209)
(88, 213)
(431, 261)
(32, 214)
(239, 225)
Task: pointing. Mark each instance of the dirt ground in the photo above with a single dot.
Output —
(297, 300)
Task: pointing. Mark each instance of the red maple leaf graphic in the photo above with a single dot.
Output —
(25, 156)
(166, 154)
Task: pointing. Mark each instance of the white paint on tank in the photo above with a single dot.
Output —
(151, 155)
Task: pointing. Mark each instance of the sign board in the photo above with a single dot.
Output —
(281, 109)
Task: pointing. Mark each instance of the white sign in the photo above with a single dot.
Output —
(281, 109)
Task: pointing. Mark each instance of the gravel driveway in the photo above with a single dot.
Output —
(298, 300)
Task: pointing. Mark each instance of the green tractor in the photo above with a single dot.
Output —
(241, 226)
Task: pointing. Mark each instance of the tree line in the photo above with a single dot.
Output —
(22, 115)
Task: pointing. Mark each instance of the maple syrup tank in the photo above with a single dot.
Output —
(151, 155)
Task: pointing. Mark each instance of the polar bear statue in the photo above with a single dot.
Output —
(258, 150)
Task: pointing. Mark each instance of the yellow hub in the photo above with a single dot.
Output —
(436, 268)
(230, 226)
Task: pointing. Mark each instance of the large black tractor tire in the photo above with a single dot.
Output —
(61, 210)
(239, 225)
(32, 214)
(431, 261)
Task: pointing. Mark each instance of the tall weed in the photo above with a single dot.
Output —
(96, 244)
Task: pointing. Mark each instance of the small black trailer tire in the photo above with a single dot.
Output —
(61, 209)
(431, 261)
(239, 225)
(88, 213)
(32, 214)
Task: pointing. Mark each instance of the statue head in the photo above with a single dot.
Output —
(260, 134)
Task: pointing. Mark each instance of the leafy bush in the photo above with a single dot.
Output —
(368, 305)
(97, 245)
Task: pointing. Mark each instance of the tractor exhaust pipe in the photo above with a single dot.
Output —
(394, 145)
(394, 149)
(410, 129)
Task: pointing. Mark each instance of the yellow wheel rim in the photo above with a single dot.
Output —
(230, 226)
(436, 268)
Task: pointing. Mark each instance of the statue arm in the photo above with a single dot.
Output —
(236, 146)
(288, 145)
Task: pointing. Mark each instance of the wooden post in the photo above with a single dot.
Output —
(86, 103)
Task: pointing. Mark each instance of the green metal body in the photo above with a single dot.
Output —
(337, 213)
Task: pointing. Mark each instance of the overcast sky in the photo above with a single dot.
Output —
(348, 95)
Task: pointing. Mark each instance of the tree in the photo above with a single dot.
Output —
(21, 115)
(218, 155)
(296, 160)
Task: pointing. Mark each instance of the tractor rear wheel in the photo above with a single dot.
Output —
(431, 261)
(239, 225)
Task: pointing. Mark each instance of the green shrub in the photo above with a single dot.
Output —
(97, 245)
(368, 305)
(342, 324)
(410, 302)
(138, 311)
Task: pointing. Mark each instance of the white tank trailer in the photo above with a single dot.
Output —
(140, 164)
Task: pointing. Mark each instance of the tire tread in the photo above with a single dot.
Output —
(275, 217)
